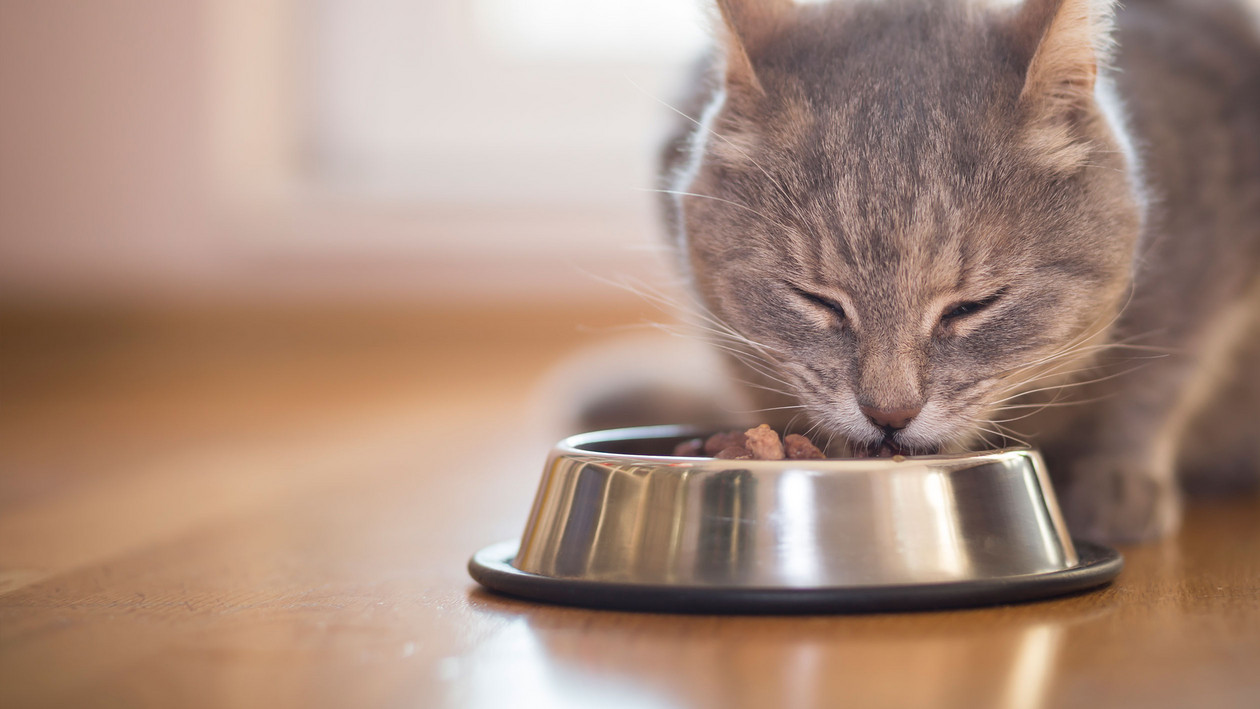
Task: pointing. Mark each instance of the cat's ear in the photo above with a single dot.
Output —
(748, 25)
(1065, 41)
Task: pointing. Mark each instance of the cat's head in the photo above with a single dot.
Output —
(910, 204)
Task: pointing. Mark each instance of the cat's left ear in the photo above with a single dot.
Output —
(1064, 43)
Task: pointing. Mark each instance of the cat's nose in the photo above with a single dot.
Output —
(891, 419)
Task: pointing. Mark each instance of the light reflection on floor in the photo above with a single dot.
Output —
(516, 670)
(545, 657)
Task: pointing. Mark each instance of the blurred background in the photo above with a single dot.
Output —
(431, 151)
(295, 296)
(243, 228)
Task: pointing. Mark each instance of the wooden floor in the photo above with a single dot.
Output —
(247, 508)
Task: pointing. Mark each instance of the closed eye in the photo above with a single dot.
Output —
(962, 310)
(826, 303)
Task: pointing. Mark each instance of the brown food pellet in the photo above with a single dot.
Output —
(734, 453)
(759, 443)
(764, 443)
(719, 442)
(693, 448)
(799, 447)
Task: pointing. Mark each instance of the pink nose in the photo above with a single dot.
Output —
(891, 419)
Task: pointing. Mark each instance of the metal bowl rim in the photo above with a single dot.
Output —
(493, 568)
(571, 447)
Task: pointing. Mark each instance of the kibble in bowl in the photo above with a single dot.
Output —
(759, 443)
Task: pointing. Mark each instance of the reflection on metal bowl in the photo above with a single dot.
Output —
(616, 522)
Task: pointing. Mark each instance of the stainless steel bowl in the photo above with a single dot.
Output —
(616, 518)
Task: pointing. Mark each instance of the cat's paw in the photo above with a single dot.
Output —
(1110, 500)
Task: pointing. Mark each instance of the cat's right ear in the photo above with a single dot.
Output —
(748, 25)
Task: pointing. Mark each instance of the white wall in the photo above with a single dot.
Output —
(102, 113)
(232, 149)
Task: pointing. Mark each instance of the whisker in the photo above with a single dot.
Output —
(985, 438)
(1053, 404)
(1034, 379)
(1091, 331)
(1161, 351)
(1009, 435)
(733, 203)
(763, 387)
(1081, 383)
(764, 369)
(1057, 370)
(788, 201)
(768, 409)
(792, 421)
(709, 321)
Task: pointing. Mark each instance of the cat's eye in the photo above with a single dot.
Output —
(962, 310)
(836, 309)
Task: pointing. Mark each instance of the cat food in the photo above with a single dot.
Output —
(693, 448)
(734, 453)
(764, 443)
(760, 443)
(798, 447)
(719, 442)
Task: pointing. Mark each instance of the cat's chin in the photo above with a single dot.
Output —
(889, 449)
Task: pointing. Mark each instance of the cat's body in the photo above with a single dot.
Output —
(907, 213)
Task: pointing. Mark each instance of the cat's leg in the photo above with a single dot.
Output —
(1113, 467)
(1220, 451)
(1115, 463)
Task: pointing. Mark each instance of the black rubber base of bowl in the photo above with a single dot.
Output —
(491, 567)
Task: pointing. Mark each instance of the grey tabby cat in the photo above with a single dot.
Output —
(927, 223)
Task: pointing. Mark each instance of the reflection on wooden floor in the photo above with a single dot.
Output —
(252, 508)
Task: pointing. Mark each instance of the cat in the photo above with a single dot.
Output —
(925, 226)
